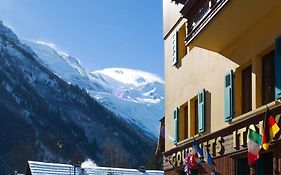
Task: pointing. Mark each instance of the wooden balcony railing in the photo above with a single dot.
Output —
(198, 13)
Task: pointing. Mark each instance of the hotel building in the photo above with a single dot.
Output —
(222, 72)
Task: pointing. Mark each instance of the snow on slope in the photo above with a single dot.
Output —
(66, 67)
(134, 95)
(129, 76)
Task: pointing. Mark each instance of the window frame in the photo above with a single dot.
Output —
(264, 60)
(246, 89)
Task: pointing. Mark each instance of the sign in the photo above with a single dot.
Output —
(230, 141)
(214, 145)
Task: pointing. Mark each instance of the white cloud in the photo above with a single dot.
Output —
(88, 164)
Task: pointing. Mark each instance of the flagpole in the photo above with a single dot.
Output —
(266, 113)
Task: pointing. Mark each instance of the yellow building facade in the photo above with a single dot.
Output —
(222, 73)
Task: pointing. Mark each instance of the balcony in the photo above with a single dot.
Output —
(198, 14)
(215, 24)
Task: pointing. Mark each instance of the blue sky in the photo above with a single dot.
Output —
(101, 33)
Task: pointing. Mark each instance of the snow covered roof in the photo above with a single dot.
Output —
(42, 168)
(117, 171)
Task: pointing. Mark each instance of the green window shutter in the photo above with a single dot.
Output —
(228, 96)
(277, 68)
(175, 48)
(201, 111)
(176, 125)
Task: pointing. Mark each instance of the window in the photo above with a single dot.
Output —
(247, 89)
(183, 122)
(264, 165)
(201, 111)
(228, 96)
(194, 116)
(178, 44)
(268, 78)
(277, 62)
(176, 125)
(242, 166)
(186, 122)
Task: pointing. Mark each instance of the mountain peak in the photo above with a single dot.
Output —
(130, 76)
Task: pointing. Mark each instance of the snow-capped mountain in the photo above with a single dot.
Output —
(134, 95)
(44, 118)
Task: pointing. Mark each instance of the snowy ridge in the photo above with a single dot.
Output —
(134, 95)
(66, 67)
(129, 76)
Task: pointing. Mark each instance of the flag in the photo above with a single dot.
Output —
(254, 146)
(207, 156)
(191, 159)
(196, 149)
(270, 129)
(187, 164)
